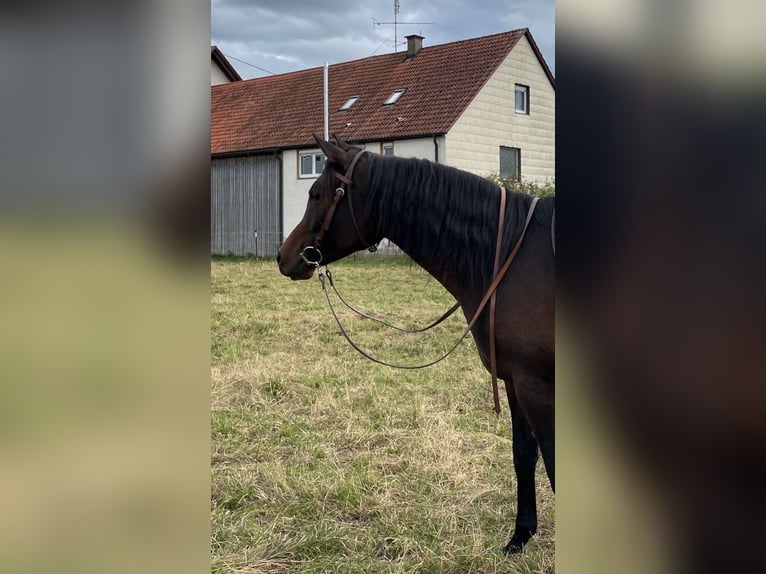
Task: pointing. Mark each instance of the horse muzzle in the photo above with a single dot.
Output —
(301, 266)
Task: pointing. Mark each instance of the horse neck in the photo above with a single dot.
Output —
(442, 272)
(418, 230)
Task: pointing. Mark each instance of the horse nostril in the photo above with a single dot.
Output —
(279, 257)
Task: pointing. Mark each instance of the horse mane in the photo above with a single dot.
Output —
(428, 208)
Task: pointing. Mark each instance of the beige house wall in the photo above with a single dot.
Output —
(296, 189)
(490, 121)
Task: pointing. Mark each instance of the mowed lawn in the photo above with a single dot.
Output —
(323, 461)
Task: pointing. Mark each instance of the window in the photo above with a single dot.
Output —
(510, 162)
(310, 164)
(387, 149)
(393, 98)
(522, 99)
(349, 102)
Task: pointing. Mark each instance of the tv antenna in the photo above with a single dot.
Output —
(396, 24)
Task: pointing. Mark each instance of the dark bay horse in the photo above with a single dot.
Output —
(446, 220)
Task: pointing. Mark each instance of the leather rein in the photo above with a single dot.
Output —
(312, 256)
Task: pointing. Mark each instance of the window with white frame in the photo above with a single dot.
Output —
(310, 163)
(522, 99)
(510, 162)
(349, 102)
(393, 98)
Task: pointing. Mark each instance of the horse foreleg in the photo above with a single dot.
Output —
(545, 437)
(537, 401)
(524, 461)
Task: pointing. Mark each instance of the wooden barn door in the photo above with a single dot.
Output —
(245, 206)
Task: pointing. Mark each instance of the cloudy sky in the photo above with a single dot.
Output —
(286, 35)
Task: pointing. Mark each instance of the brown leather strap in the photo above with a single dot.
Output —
(448, 313)
(365, 353)
(347, 177)
(339, 193)
(328, 218)
(316, 258)
(483, 303)
(506, 265)
(346, 180)
(492, 302)
(496, 282)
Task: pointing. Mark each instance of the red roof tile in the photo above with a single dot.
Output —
(283, 110)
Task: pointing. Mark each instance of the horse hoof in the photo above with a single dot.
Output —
(516, 545)
(511, 549)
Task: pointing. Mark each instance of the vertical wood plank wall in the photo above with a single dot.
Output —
(245, 198)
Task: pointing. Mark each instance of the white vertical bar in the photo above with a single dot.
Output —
(326, 103)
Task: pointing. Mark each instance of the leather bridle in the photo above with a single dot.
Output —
(311, 254)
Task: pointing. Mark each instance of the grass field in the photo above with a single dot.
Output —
(325, 462)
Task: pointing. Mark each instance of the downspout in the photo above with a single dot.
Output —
(280, 186)
(436, 149)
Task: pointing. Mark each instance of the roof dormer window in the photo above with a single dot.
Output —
(393, 98)
(349, 102)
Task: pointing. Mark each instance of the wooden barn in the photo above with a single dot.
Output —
(485, 105)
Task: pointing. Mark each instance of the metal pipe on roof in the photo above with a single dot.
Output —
(326, 103)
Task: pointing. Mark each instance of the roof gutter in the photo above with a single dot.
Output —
(352, 140)
(242, 153)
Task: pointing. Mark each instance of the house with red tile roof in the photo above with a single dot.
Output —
(485, 105)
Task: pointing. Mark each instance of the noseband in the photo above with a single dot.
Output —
(311, 254)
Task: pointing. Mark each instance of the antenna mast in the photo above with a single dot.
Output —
(396, 12)
(396, 24)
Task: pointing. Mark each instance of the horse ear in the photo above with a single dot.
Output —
(333, 152)
(342, 144)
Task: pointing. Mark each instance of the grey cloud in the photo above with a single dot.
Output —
(281, 36)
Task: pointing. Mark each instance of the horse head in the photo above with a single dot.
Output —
(331, 228)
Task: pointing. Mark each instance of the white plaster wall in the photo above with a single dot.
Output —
(490, 121)
(296, 190)
(216, 75)
(420, 147)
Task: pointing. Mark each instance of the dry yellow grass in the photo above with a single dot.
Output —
(325, 462)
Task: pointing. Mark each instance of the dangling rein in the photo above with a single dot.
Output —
(489, 297)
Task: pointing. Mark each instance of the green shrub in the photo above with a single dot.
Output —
(529, 187)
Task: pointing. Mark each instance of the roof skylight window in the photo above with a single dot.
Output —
(349, 102)
(393, 98)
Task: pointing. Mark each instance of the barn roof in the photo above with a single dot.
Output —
(282, 111)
